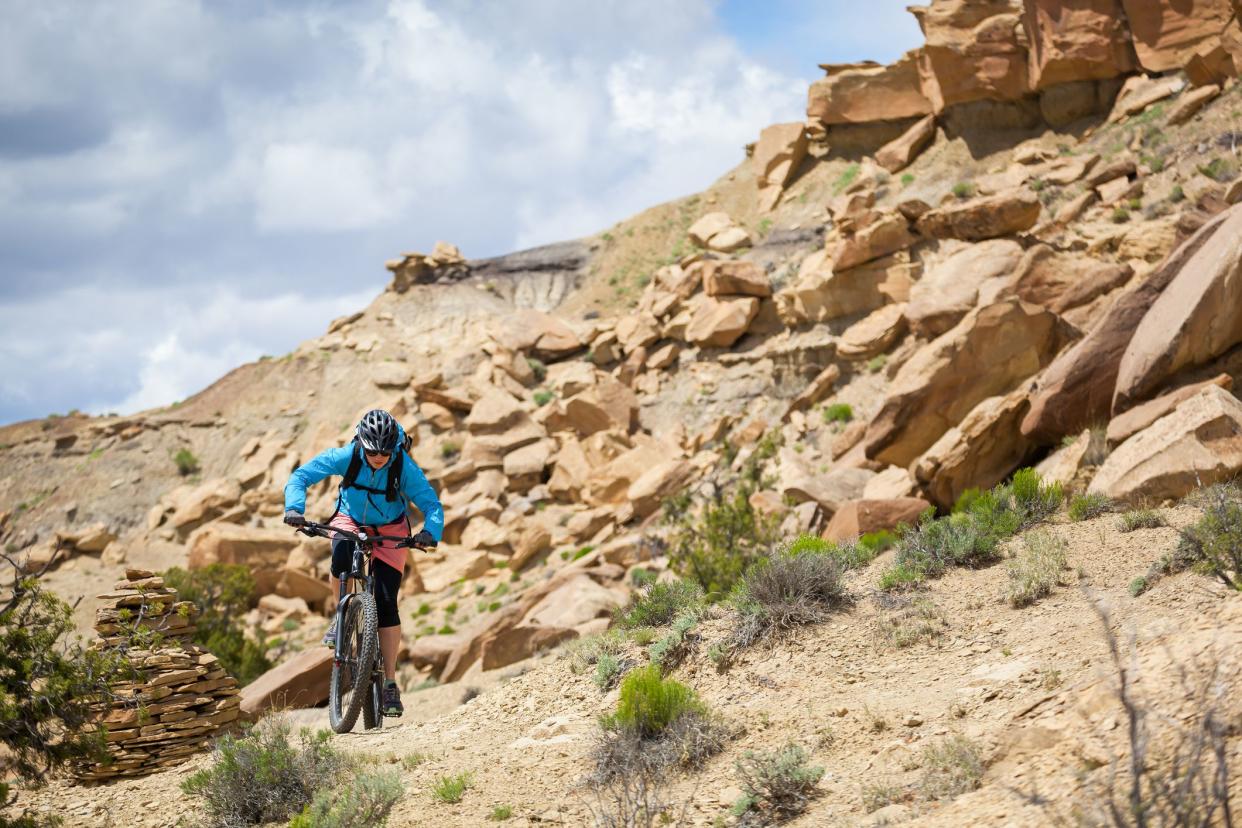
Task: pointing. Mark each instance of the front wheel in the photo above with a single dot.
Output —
(356, 645)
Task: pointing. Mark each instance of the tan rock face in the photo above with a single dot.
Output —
(717, 231)
(232, 544)
(820, 294)
(901, 151)
(731, 277)
(859, 517)
(983, 218)
(540, 333)
(885, 235)
(1072, 40)
(1196, 318)
(1199, 443)
(661, 481)
(1165, 35)
(1076, 390)
(857, 93)
(1126, 425)
(779, 151)
(607, 405)
(718, 323)
(950, 289)
(302, 681)
(1192, 102)
(874, 334)
(980, 451)
(1061, 281)
(988, 353)
(517, 643)
(974, 50)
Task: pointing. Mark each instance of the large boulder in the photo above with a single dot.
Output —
(779, 151)
(609, 404)
(988, 353)
(230, 543)
(1195, 319)
(1131, 422)
(206, 502)
(1076, 41)
(733, 277)
(1062, 281)
(902, 150)
(860, 517)
(540, 333)
(951, 288)
(819, 294)
(983, 218)
(973, 50)
(884, 236)
(1198, 444)
(302, 681)
(874, 334)
(859, 93)
(577, 601)
(718, 323)
(1076, 390)
(658, 483)
(717, 231)
(494, 412)
(829, 491)
(980, 451)
(518, 643)
(1166, 35)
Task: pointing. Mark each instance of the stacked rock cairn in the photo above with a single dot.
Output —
(179, 695)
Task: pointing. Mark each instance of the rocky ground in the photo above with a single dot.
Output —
(954, 268)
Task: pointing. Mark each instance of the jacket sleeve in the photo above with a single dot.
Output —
(325, 463)
(416, 488)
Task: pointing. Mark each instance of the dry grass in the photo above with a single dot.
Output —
(1036, 569)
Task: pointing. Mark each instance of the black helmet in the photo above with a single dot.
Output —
(378, 431)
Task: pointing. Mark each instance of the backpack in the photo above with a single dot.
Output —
(394, 473)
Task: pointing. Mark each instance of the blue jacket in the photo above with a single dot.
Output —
(362, 506)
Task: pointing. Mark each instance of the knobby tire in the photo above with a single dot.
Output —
(356, 651)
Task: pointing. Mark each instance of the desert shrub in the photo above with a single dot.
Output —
(609, 669)
(451, 789)
(877, 363)
(48, 682)
(972, 534)
(776, 785)
(1087, 506)
(950, 767)
(716, 542)
(1120, 215)
(1212, 546)
(586, 652)
(838, 413)
(1137, 519)
(449, 449)
(263, 777)
(500, 813)
(1220, 169)
(649, 703)
(908, 621)
(1035, 570)
(185, 461)
(671, 650)
(659, 604)
(846, 178)
(799, 585)
(362, 802)
(223, 593)
(876, 795)
(1177, 194)
(907, 179)
(963, 189)
(543, 396)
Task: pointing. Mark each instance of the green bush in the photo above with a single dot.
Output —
(450, 789)
(1177, 194)
(1036, 569)
(543, 397)
(1120, 215)
(609, 669)
(963, 189)
(223, 593)
(585, 653)
(776, 785)
(659, 604)
(907, 622)
(538, 369)
(1087, 506)
(1213, 545)
(972, 534)
(799, 585)
(362, 802)
(449, 449)
(907, 179)
(846, 178)
(186, 462)
(649, 703)
(263, 777)
(500, 813)
(1220, 169)
(715, 543)
(48, 683)
(838, 413)
(671, 650)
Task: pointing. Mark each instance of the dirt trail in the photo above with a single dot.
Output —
(1025, 684)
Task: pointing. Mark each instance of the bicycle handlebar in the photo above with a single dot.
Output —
(323, 530)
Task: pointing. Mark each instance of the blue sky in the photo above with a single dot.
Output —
(188, 184)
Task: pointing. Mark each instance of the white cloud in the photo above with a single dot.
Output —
(312, 187)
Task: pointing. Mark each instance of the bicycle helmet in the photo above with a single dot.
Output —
(378, 431)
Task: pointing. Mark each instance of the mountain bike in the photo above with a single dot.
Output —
(357, 683)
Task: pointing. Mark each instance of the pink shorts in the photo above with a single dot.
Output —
(386, 551)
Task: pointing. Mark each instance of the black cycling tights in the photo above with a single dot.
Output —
(387, 581)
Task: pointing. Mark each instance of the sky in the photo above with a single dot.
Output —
(186, 186)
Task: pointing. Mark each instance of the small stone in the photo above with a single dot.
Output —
(913, 721)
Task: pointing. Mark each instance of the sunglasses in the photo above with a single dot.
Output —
(370, 453)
